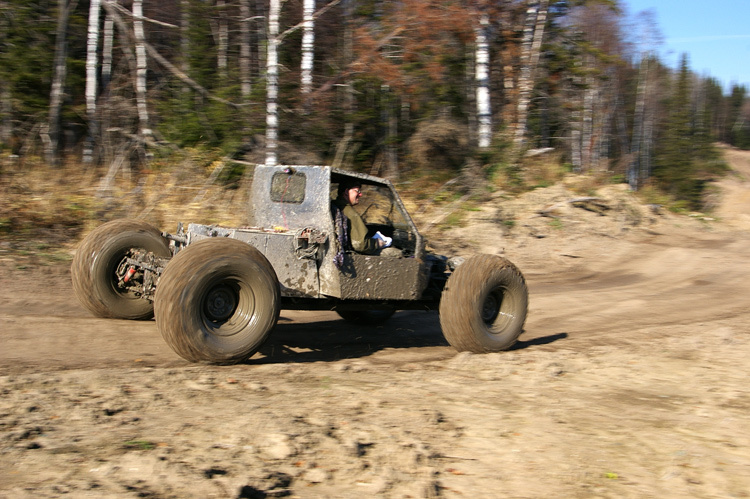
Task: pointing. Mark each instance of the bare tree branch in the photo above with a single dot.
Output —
(319, 13)
(109, 6)
(125, 11)
(359, 62)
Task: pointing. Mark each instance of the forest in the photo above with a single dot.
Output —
(393, 88)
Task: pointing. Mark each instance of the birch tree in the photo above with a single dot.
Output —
(141, 68)
(482, 76)
(91, 79)
(308, 46)
(536, 18)
(272, 83)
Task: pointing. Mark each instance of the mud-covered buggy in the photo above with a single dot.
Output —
(216, 292)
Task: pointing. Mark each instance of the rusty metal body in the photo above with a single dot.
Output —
(292, 225)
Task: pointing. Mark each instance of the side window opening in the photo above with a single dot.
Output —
(379, 208)
(288, 187)
(380, 212)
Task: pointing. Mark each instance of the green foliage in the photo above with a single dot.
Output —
(685, 158)
(28, 33)
(739, 116)
(411, 65)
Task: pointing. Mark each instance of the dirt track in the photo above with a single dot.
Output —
(630, 381)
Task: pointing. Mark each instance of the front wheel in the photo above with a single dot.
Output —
(484, 304)
(94, 271)
(217, 301)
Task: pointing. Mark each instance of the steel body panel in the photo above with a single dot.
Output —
(297, 277)
(366, 277)
(279, 215)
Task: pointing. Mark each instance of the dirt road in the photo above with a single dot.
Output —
(630, 381)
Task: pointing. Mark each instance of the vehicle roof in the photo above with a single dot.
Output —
(337, 174)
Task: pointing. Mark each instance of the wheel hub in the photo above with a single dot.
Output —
(491, 307)
(221, 302)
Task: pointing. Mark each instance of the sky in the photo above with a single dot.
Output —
(714, 33)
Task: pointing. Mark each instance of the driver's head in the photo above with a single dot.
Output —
(350, 190)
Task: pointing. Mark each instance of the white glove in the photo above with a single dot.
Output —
(387, 241)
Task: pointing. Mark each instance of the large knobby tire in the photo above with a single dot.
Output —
(366, 317)
(217, 301)
(96, 261)
(483, 307)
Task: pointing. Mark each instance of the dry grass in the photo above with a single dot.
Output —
(543, 171)
(46, 211)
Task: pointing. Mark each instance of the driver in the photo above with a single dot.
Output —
(349, 192)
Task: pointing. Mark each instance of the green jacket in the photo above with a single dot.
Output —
(357, 229)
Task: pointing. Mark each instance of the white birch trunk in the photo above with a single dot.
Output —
(541, 23)
(484, 112)
(91, 80)
(223, 38)
(141, 68)
(536, 18)
(308, 46)
(58, 84)
(123, 33)
(272, 82)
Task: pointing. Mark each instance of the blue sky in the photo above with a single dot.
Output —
(714, 33)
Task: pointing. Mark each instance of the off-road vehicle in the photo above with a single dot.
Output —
(216, 291)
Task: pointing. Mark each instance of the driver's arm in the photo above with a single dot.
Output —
(358, 233)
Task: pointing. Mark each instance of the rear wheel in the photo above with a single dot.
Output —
(96, 263)
(217, 301)
(484, 304)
